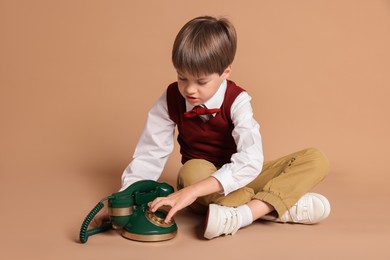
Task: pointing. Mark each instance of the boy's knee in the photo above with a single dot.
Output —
(320, 161)
(194, 171)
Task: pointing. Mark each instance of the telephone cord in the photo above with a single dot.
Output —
(84, 233)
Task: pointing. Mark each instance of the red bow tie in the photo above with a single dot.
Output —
(198, 110)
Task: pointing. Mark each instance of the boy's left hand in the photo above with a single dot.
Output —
(177, 201)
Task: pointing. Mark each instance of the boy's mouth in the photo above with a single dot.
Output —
(191, 98)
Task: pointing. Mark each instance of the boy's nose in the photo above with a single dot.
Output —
(190, 88)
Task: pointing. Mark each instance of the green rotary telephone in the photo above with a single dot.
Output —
(129, 211)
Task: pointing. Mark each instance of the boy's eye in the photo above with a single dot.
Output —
(182, 79)
(202, 83)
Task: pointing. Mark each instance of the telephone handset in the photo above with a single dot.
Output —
(129, 211)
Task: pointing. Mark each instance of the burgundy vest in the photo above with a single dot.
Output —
(211, 140)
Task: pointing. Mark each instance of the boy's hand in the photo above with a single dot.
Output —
(186, 196)
(177, 201)
(101, 218)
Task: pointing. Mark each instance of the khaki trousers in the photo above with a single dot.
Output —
(282, 182)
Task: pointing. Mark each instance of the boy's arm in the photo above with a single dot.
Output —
(247, 163)
(154, 146)
(186, 196)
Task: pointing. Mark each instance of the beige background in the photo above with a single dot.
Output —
(78, 77)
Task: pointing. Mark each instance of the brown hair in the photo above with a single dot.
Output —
(205, 45)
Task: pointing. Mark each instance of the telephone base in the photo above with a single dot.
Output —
(148, 238)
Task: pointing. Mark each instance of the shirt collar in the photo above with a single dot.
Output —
(216, 100)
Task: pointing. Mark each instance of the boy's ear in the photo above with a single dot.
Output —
(227, 72)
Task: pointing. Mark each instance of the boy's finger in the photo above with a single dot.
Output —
(169, 216)
(153, 203)
(161, 202)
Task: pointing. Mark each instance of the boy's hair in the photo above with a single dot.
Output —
(205, 45)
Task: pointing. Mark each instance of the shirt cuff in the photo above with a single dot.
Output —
(227, 181)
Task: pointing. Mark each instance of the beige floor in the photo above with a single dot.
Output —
(77, 78)
(42, 222)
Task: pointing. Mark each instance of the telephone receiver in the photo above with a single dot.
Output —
(129, 211)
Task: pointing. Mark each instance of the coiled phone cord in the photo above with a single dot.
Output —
(84, 233)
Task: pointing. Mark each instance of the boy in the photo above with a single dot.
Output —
(223, 172)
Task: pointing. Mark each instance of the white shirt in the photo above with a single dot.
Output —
(157, 140)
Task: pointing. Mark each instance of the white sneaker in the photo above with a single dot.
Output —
(221, 220)
(310, 209)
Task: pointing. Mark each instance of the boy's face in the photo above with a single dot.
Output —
(197, 90)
